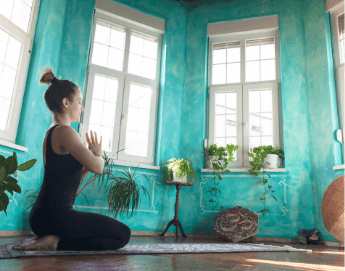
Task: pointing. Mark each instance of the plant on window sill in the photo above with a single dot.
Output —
(259, 154)
(218, 159)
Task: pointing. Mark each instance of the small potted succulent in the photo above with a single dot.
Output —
(181, 170)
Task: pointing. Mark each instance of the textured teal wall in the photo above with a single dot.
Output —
(62, 41)
(325, 150)
(33, 123)
(298, 198)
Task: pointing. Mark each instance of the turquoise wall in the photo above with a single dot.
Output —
(309, 117)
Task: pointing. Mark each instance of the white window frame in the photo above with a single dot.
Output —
(242, 90)
(123, 92)
(335, 12)
(8, 136)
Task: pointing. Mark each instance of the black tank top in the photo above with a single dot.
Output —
(62, 177)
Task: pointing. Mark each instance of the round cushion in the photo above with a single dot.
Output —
(332, 208)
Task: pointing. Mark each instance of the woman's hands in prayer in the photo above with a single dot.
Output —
(94, 146)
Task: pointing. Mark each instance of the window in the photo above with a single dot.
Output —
(122, 89)
(244, 92)
(17, 25)
(337, 21)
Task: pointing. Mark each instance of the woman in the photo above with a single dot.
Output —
(52, 219)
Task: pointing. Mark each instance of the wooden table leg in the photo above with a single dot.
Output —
(175, 221)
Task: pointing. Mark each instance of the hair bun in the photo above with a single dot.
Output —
(47, 76)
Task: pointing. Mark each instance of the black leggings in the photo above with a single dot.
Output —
(81, 230)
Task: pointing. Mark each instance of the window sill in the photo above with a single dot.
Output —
(339, 167)
(134, 164)
(12, 145)
(246, 170)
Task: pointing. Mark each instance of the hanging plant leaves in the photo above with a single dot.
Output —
(27, 165)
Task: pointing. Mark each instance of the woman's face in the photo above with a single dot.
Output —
(75, 107)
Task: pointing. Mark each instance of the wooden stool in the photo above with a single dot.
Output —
(176, 222)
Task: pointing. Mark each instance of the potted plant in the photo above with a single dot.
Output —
(9, 166)
(259, 164)
(217, 158)
(122, 190)
(273, 154)
(181, 170)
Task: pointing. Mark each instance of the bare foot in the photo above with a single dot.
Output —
(47, 243)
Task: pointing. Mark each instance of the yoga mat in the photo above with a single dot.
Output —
(6, 251)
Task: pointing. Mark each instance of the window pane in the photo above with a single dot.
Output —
(254, 101)
(7, 82)
(4, 112)
(233, 73)
(6, 7)
(267, 51)
(150, 49)
(131, 138)
(137, 45)
(219, 74)
(234, 53)
(115, 59)
(145, 98)
(141, 144)
(135, 64)
(266, 124)
(219, 53)
(4, 37)
(149, 68)
(107, 138)
(100, 54)
(99, 87)
(134, 96)
(220, 126)
(13, 53)
(102, 34)
(132, 122)
(220, 103)
(252, 71)
(220, 142)
(254, 124)
(266, 141)
(28, 2)
(21, 15)
(108, 114)
(268, 70)
(253, 142)
(96, 112)
(117, 39)
(231, 125)
(266, 101)
(111, 90)
(143, 121)
(231, 102)
(252, 52)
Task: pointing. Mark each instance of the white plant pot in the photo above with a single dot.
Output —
(272, 159)
(177, 179)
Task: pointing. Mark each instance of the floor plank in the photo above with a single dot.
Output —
(321, 258)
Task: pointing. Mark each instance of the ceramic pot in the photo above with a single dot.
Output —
(181, 179)
(272, 159)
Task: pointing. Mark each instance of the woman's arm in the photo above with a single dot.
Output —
(84, 173)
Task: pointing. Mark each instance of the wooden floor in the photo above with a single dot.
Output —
(321, 258)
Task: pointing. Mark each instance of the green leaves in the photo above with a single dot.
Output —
(9, 166)
(182, 167)
(27, 165)
(4, 200)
